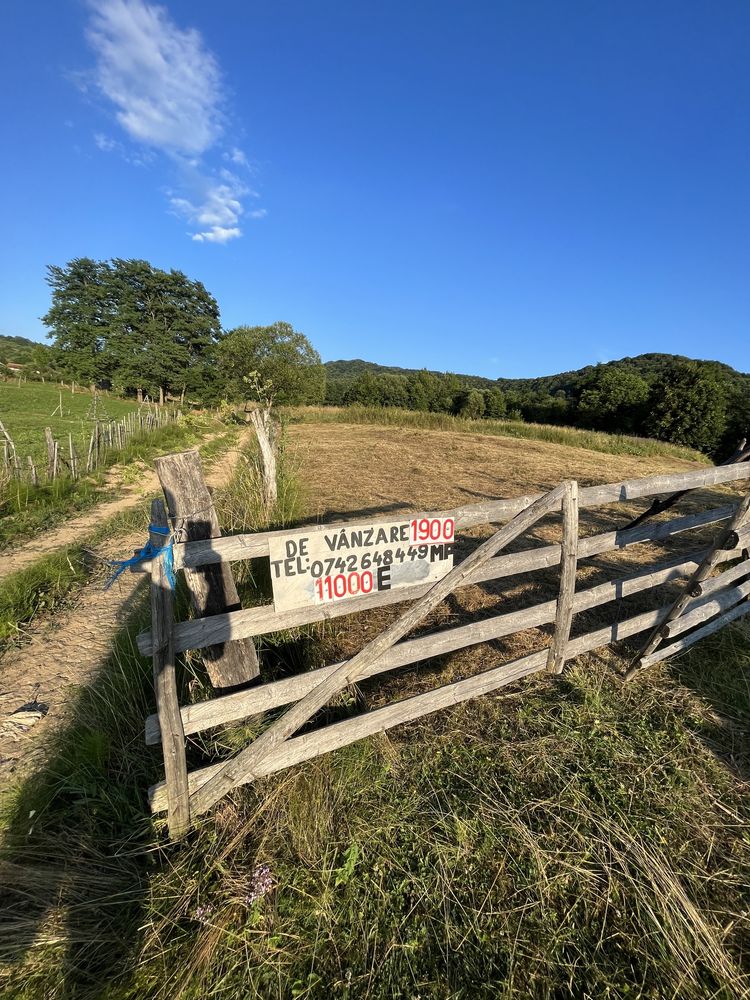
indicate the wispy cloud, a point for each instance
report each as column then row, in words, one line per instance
column 166, row 89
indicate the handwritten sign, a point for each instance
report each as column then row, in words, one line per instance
column 348, row 561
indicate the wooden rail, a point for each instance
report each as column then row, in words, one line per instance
column 251, row 546
column 711, row 597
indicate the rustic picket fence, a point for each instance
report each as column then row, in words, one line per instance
column 707, row 602
column 107, row 436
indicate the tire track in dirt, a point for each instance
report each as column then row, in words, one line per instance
column 68, row 650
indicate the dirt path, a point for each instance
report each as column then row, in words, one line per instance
column 69, row 650
column 77, row 528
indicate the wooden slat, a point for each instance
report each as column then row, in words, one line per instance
column 689, row 640
column 245, row 763
column 340, row 734
column 198, row 633
column 165, row 685
column 251, row 546
column 569, row 562
column 212, row 588
column 704, row 609
column 242, row 704
column 714, row 583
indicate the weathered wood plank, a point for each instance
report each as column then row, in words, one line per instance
column 714, row 583
column 165, row 685
column 212, row 588
column 677, row 647
column 569, row 562
column 258, row 621
column 245, row 762
column 251, row 546
column 242, row 704
column 339, row 734
column 705, row 608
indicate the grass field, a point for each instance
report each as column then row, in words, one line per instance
column 567, row 838
column 613, row 444
column 27, row 409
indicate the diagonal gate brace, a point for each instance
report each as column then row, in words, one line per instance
column 242, row 768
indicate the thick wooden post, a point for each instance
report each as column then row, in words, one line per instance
column 165, row 684
column 569, row 563
column 267, row 434
column 212, row 588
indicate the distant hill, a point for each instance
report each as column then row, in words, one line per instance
column 19, row 350
column 351, row 369
column 648, row 366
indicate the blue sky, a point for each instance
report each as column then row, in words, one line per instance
column 504, row 188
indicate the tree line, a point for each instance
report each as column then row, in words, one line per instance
column 137, row 328
column 688, row 403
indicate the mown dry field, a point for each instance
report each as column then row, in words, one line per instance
column 352, row 471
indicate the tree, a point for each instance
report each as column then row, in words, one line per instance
column 494, row 404
column 614, row 400
column 280, row 355
column 132, row 323
column 80, row 317
column 470, row 404
column 687, row 406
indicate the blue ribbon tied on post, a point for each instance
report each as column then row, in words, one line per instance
column 148, row 552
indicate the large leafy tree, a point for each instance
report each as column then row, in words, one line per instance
column 80, row 317
column 280, row 355
column 613, row 400
column 133, row 323
column 687, row 406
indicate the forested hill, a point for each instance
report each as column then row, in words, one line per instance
column 702, row 404
column 356, row 367
column 648, row 366
column 18, row 349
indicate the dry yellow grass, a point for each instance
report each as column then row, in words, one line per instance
column 358, row 470
column 351, row 467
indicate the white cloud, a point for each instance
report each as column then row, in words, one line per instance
column 105, row 143
column 218, row 234
column 237, row 156
column 162, row 79
column 259, row 213
column 166, row 89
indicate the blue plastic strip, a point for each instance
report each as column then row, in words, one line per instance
column 149, row 551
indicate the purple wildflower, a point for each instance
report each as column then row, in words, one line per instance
column 260, row 883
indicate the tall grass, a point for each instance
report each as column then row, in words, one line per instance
column 613, row 444
column 571, row 838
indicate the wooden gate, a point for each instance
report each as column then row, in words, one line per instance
column 707, row 602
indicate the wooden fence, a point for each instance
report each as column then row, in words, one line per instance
column 714, row 580
column 106, row 437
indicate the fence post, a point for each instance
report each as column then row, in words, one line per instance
column 165, row 684
column 569, row 563
column 50, row 452
column 212, row 588
column 267, row 434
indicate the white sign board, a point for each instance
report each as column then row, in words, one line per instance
column 346, row 561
